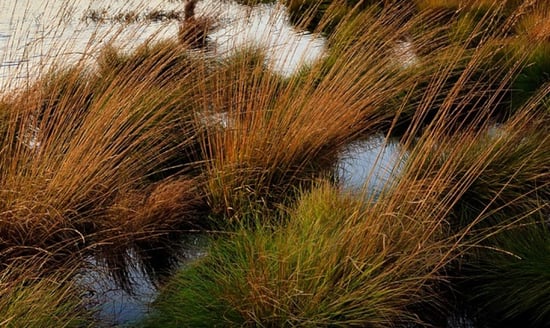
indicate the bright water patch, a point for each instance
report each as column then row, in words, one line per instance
column 35, row 34
column 369, row 165
column 266, row 27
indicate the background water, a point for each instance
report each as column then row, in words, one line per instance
column 34, row 34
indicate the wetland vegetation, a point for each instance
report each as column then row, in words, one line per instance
column 121, row 155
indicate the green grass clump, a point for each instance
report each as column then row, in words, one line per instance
column 27, row 300
column 511, row 277
column 336, row 262
column 500, row 173
column 534, row 75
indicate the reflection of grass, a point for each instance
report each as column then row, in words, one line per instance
column 103, row 16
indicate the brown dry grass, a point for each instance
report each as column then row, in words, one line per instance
column 79, row 143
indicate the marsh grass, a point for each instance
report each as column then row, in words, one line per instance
column 87, row 152
column 518, row 255
column 510, row 176
column 31, row 300
column 334, row 264
column 123, row 156
column 342, row 260
column 283, row 132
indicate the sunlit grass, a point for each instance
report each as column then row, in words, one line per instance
column 122, row 154
column 80, row 142
column 338, row 262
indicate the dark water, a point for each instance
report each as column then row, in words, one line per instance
column 114, row 305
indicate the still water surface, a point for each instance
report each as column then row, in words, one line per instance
column 35, row 34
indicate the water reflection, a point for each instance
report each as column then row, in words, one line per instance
column 114, row 305
column 35, row 34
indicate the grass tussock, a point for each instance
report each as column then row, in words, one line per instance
column 336, row 263
column 344, row 260
column 27, row 300
column 499, row 172
column 80, row 141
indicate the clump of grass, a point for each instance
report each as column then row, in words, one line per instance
column 511, row 178
column 156, row 218
column 534, row 23
column 29, row 301
column 337, row 262
column 510, row 277
column 80, row 142
column 461, row 82
column 483, row 182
